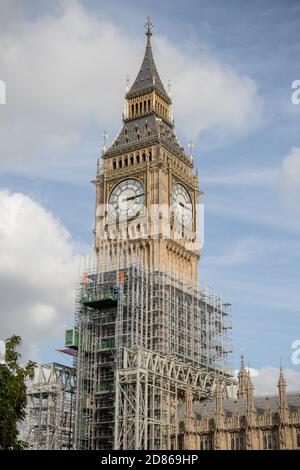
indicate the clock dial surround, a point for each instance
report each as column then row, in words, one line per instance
column 182, row 205
column 126, row 199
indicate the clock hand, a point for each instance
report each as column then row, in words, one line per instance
column 184, row 206
column 133, row 197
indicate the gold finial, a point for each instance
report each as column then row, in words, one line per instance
column 148, row 26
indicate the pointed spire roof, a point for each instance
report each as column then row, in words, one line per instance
column 242, row 361
column 281, row 379
column 219, row 399
column 148, row 79
column 243, row 379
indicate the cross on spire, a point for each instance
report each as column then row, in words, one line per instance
column 148, row 26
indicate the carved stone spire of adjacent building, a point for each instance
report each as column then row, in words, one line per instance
column 242, row 380
column 250, row 404
column 219, row 405
column 189, row 411
column 250, row 412
column 283, row 404
column 219, row 416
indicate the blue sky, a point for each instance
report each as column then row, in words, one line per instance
column 244, row 127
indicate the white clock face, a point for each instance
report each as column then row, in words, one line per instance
column 126, row 199
column 182, row 204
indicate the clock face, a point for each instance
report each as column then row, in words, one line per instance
column 182, row 204
column 126, row 199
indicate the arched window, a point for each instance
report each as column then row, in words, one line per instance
column 148, row 105
column 150, row 155
column 131, row 160
column 265, row 442
column 132, row 109
column 144, row 156
column 126, row 161
column 120, row 163
column 114, row 164
column 138, row 158
column 141, row 107
column 145, row 106
column 137, row 108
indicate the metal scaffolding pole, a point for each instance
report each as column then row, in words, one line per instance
column 121, row 403
column 50, row 408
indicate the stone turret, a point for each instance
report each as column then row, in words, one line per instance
column 242, row 380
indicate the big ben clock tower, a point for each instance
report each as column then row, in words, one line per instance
column 147, row 194
column 148, row 339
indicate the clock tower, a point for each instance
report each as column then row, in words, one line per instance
column 147, row 337
column 147, row 191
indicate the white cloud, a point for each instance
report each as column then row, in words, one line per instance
column 65, row 73
column 248, row 250
column 291, row 177
column 265, row 380
column 207, row 93
column 38, row 270
column 261, row 177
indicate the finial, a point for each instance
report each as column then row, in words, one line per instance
column 191, row 146
column 148, row 27
column 169, row 87
column 242, row 361
column 104, row 136
column 127, row 83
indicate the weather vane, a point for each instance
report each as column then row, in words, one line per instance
column 148, row 26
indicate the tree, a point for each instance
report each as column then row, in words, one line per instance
column 13, row 394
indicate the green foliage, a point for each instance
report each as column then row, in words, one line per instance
column 13, row 394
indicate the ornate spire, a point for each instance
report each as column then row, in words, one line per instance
column 148, row 78
column 242, row 361
column 147, row 111
column 243, row 379
column 219, row 408
column 281, row 380
column 283, row 404
column 189, row 410
column 250, row 412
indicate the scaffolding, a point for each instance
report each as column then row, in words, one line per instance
column 51, row 408
column 143, row 338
